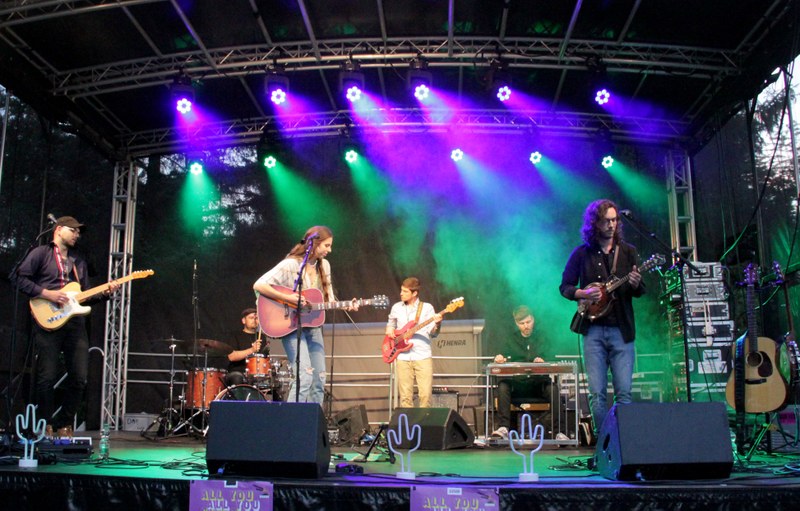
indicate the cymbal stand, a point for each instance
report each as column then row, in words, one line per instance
column 169, row 421
column 202, row 412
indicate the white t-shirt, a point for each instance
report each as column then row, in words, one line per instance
column 400, row 315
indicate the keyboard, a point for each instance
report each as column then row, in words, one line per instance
column 524, row 368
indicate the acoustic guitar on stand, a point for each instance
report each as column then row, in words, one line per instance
column 594, row 309
column 52, row 316
column 764, row 387
column 279, row 318
column 394, row 345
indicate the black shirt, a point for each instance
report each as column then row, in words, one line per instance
column 586, row 265
column 242, row 341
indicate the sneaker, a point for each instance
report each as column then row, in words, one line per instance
column 501, row 432
column 562, row 436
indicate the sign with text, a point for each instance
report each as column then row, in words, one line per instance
column 452, row 498
column 217, row 495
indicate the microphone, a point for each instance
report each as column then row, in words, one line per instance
column 626, row 213
column 52, row 218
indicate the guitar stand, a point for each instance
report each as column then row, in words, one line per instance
column 363, row 458
column 758, row 436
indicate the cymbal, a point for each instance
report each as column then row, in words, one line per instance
column 214, row 346
column 170, row 340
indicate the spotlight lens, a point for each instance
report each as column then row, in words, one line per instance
column 351, row 156
column 457, row 154
column 270, row 162
column 504, row 93
column 196, row 168
column 278, row 96
column 421, row 92
column 183, row 105
column 536, row 157
column 608, row 161
column 602, row 96
column 353, row 94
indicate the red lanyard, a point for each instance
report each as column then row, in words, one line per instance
column 62, row 270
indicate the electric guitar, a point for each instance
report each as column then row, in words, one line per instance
column 595, row 309
column 394, row 345
column 765, row 389
column 52, row 316
column 279, row 318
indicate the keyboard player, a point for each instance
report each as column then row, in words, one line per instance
column 523, row 346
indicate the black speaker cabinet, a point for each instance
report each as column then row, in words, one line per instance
column 352, row 424
column 442, row 428
column 651, row 441
column 267, row 439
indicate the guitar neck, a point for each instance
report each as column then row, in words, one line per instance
column 343, row 304
column 752, row 324
column 85, row 295
column 422, row 325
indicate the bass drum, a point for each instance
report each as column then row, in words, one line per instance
column 241, row 393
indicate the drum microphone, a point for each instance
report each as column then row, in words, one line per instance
column 52, row 218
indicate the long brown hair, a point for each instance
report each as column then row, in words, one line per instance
column 299, row 250
column 595, row 212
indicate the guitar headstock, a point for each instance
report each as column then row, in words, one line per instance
column 751, row 275
column 380, row 301
column 779, row 278
column 652, row 262
column 455, row 304
column 140, row 274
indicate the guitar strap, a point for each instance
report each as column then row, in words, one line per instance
column 419, row 312
column 616, row 256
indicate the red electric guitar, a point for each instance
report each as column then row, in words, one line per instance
column 393, row 345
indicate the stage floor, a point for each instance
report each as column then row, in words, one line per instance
column 157, row 474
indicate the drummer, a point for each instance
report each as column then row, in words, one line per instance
column 245, row 342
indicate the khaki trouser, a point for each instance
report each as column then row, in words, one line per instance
column 407, row 372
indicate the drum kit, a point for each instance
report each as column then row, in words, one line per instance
column 265, row 380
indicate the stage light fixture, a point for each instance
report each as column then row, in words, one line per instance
column 536, row 157
column 499, row 80
column 351, row 156
column 598, row 80
column 456, row 154
column 419, row 80
column 608, row 161
column 270, row 162
column 602, row 96
column 182, row 93
column 351, row 81
column 276, row 86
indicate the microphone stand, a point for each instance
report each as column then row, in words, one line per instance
column 298, row 288
column 13, row 341
column 680, row 261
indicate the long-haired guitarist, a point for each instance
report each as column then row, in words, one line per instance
column 415, row 363
column 607, row 339
column 44, row 273
column 316, row 275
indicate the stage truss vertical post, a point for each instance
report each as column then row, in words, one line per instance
column 120, row 263
column 681, row 205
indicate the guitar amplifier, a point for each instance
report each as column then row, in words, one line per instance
column 442, row 398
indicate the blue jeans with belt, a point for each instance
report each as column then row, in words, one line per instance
column 604, row 349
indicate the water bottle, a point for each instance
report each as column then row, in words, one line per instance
column 104, row 441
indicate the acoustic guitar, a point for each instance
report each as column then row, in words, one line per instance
column 394, row 345
column 279, row 318
column 52, row 316
column 764, row 387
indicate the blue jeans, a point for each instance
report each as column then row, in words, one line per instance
column 71, row 340
column 604, row 348
column 311, row 374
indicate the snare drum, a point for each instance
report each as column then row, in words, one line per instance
column 241, row 393
column 215, row 381
column 258, row 368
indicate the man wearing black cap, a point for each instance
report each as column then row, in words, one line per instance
column 246, row 342
column 43, row 274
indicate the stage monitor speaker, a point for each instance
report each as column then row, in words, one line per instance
column 352, row 424
column 267, row 439
column 442, row 428
column 652, row 441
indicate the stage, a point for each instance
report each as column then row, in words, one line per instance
column 159, row 474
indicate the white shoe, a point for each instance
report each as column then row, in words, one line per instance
column 501, row 432
column 561, row 436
